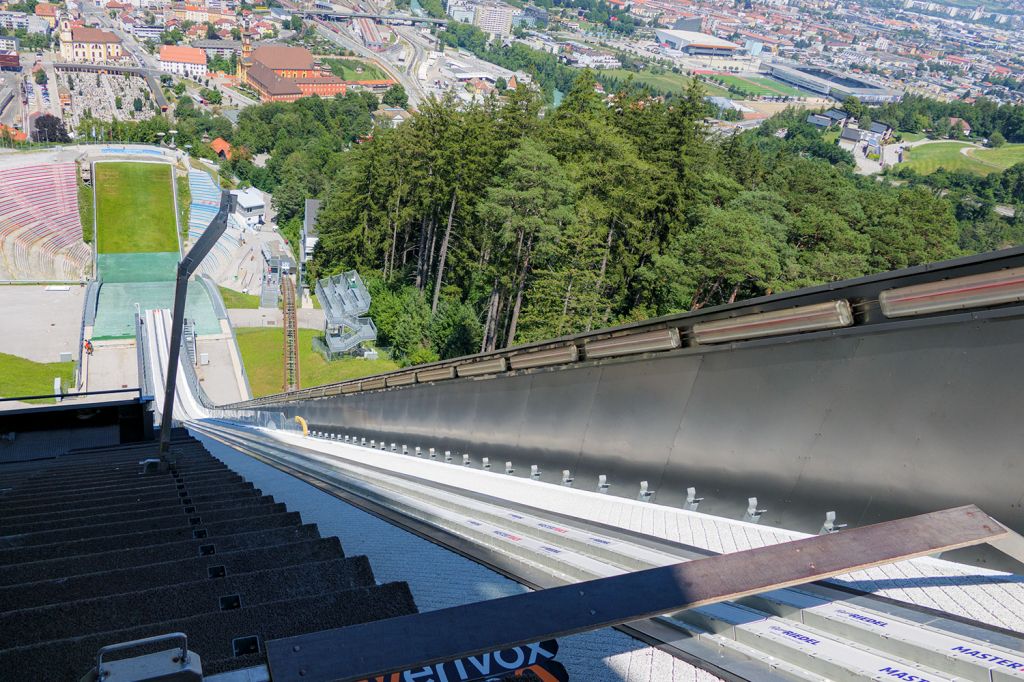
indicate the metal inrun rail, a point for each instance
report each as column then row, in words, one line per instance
column 291, row 334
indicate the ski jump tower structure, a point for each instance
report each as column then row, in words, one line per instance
column 344, row 299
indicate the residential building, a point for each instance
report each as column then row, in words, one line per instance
column 8, row 43
column 183, row 61
column 960, row 124
column 85, row 44
column 14, row 20
column 48, row 13
column 251, row 207
column 219, row 48
column 222, row 148
column 461, row 12
column 494, row 19
column 391, row 117
column 144, row 32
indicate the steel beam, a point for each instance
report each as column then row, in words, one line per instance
column 413, row 642
column 186, row 268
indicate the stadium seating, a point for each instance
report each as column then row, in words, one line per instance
column 40, row 229
column 205, row 202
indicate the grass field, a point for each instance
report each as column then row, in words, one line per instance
column 85, row 211
column 1000, row 158
column 135, row 208
column 236, row 299
column 928, row 158
column 19, row 376
column 263, row 355
column 345, row 69
column 912, row 137
column 756, row 86
column 184, row 204
column 666, row 82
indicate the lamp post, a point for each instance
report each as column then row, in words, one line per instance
column 186, row 267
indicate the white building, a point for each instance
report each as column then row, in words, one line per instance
column 251, row 207
column 494, row 19
column 183, row 61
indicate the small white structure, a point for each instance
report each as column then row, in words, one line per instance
column 251, row 207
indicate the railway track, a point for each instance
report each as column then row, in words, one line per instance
column 291, row 335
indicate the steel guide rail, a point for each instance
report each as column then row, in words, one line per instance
column 544, row 552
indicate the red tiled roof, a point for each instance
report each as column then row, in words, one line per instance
column 181, row 54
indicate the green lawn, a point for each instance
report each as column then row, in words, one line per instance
column 346, row 69
column 263, row 355
column 135, row 208
column 666, row 82
column 1000, row 158
column 19, row 376
column 756, row 86
column 184, row 204
column 85, row 211
column 928, row 158
column 912, row 137
column 236, row 299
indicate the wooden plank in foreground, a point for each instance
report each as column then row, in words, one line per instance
column 412, row 642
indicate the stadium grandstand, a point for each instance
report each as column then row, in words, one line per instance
column 205, row 200
column 40, row 228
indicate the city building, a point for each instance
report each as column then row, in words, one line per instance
column 693, row 43
column 461, row 12
column 281, row 73
column 8, row 43
column 85, row 44
column 494, row 19
column 370, row 34
column 219, row 48
column 183, row 61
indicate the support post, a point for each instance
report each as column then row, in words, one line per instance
column 186, row 268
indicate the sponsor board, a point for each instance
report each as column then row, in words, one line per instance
column 529, row 662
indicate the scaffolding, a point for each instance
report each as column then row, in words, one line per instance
column 344, row 298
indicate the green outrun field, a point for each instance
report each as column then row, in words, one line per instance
column 263, row 356
column 135, row 208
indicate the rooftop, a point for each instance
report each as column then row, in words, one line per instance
column 86, row 34
column 283, row 57
column 182, row 55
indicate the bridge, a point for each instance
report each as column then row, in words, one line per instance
column 399, row 19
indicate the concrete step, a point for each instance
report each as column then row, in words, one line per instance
column 212, row 635
column 168, row 499
column 167, row 521
column 154, row 537
column 185, row 599
column 110, row 581
column 90, row 504
column 176, row 507
column 127, row 558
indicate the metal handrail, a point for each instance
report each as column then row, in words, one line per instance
column 75, row 395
